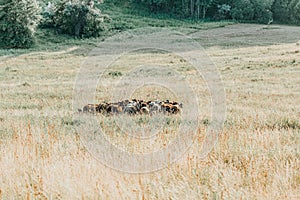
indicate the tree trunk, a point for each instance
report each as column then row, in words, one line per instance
column 183, row 7
column 192, row 7
column 204, row 12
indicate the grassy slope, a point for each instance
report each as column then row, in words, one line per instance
column 123, row 18
column 257, row 156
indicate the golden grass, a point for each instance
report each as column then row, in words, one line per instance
column 257, row 155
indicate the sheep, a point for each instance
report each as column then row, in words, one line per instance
column 90, row 108
column 155, row 107
column 176, row 108
column 166, row 108
column 145, row 110
column 134, row 106
column 131, row 108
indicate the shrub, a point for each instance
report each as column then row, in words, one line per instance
column 18, row 21
column 48, row 14
column 258, row 10
column 262, row 10
column 280, row 10
column 287, row 11
column 242, row 10
column 223, row 12
column 74, row 17
column 294, row 10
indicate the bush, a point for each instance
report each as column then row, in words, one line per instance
column 280, row 10
column 74, row 17
column 262, row 10
column 287, row 11
column 223, row 12
column 242, row 10
column 48, row 14
column 294, row 10
column 18, row 21
column 258, row 10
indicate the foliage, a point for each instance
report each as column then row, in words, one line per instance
column 223, row 12
column 18, row 21
column 262, row 10
column 280, row 10
column 243, row 10
column 286, row 11
column 78, row 18
column 294, row 10
column 48, row 14
column 183, row 8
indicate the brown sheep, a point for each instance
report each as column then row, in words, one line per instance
column 91, row 108
column 176, row 108
column 145, row 110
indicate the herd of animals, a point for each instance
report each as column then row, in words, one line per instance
column 133, row 107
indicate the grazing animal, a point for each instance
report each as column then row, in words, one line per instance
column 101, row 108
column 133, row 107
column 91, row 108
column 155, row 107
column 175, row 109
column 166, row 108
column 144, row 104
column 131, row 110
column 144, row 110
column 113, row 109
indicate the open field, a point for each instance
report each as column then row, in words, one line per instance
column 256, row 157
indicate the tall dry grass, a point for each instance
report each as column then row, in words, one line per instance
column 257, row 155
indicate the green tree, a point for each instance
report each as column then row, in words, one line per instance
column 280, row 10
column 202, row 7
column 242, row 10
column 18, row 22
column 262, row 10
column 78, row 18
column 294, row 10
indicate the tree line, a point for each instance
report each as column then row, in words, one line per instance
column 83, row 18
column 262, row 11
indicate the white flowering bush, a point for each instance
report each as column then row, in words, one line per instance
column 74, row 17
column 223, row 12
column 48, row 14
column 18, row 22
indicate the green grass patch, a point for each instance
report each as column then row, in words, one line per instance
column 123, row 17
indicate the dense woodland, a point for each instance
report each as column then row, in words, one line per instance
column 83, row 19
column 261, row 11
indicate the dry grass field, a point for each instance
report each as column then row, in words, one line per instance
column 258, row 151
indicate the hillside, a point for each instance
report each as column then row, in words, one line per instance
column 256, row 155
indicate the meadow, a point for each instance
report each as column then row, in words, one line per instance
column 258, row 149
